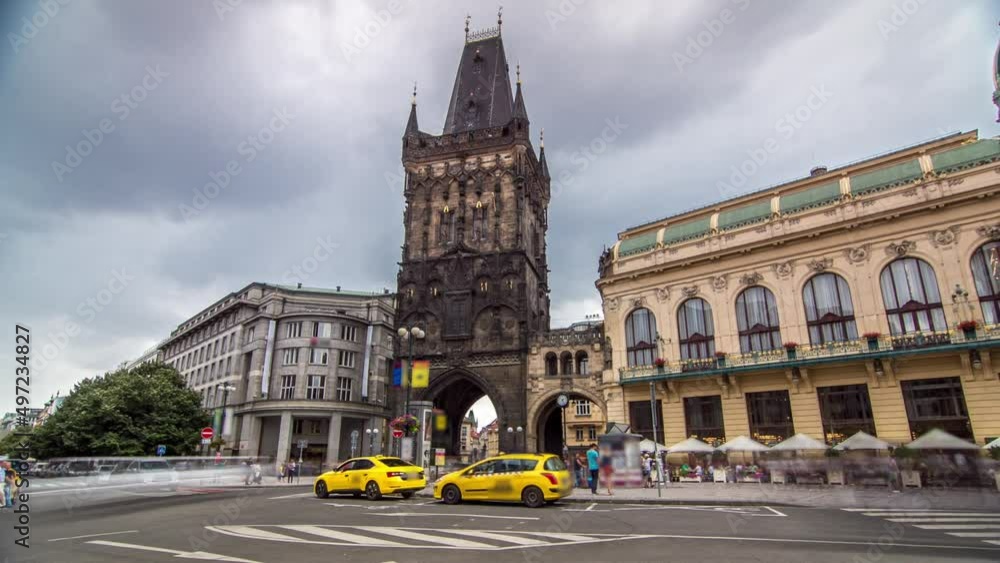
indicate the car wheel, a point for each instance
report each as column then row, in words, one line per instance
column 532, row 497
column 408, row 494
column 372, row 491
column 321, row 491
column 451, row 495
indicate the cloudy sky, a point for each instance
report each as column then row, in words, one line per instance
column 118, row 113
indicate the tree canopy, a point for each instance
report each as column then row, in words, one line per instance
column 125, row 413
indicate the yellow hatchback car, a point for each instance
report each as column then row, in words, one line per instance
column 373, row 477
column 533, row 479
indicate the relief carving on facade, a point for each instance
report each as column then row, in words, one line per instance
column 720, row 283
column 690, row 291
column 991, row 232
column 662, row 294
column 945, row 237
column 859, row 255
column 638, row 302
column 784, row 269
column 751, row 278
column 612, row 303
column 820, row 265
column 901, row 249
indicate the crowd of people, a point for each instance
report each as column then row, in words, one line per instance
column 10, row 485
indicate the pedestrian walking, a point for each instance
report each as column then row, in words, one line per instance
column 647, row 471
column 606, row 471
column 9, row 486
column 593, row 467
column 581, row 470
column 281, row 472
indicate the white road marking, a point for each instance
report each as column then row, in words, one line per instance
column 344, row 536
column 97, row 535
column 566, row 537
column 777, row 512
column 930, row 514
column 958, row 526
column 509, row 538
column 443, row 540
column 181, row 554
column 975, row 534
column 591, row 507
column 993, row 542
column 126, row 485
column 942, row 520
column 300, row 495
column 471, row 516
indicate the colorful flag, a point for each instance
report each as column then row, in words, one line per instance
column 421, row 376
column 397, row 374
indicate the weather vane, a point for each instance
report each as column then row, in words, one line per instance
column 468, row 20
column 500, row 17
column 414, row 99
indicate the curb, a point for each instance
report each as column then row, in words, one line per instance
column 657, row 501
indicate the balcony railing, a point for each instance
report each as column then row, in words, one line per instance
column 862, row 347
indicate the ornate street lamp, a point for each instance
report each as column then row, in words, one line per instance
column 372, row 437
column 409, row 334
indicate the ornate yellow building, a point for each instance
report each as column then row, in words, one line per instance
column 877, row 270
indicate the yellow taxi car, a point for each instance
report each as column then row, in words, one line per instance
column 373, row 477
column 533, row 479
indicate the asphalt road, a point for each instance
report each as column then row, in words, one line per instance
column 272, row 525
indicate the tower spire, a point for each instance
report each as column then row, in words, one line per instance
column 520, row 112
column 541, row 153
column 468, row 20
column 411, row 123
column 500, row 18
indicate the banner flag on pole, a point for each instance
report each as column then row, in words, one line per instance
column 397, row 374
column 421, row 374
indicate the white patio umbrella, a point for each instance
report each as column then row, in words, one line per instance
column 993, row 444
column 862, row 441
column 940, row 440
column 799, row 443
column 647, row 445
column 690, row 446
column 742, row 444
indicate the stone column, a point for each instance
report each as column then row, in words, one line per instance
column 255, row 374
column 250, row 433
column 284, row 438
column 333, row 440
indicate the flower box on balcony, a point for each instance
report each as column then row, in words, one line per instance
column 872, row 339
column 720, row 359
column 968, row 329
column 790, row 349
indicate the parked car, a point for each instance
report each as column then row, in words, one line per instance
column 533, row 479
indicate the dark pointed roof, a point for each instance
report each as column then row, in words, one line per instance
column 541, row 155
column 519, row 110
column 411, row 124
column 481, row 97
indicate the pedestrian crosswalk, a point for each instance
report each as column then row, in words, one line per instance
column 413, row 538
column 983, row 526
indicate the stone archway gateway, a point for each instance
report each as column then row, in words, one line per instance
column 454, row 392
column 548, row 425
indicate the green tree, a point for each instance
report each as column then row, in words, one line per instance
column 125, row 413
column 10, row 444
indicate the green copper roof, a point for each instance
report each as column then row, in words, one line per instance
column 685, row 231
column 815, row 196
column 745, row 215
column 967, row 156
column 637, row 244
column 885, row 178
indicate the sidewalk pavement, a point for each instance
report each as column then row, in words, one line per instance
column 742, row 494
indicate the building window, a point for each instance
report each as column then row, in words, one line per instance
column 225, row 340
column 640, row 337
column 703, row 416
column 287, row 387
column 582, row 364
column 480, row 223
column 346, row 359
column 641, row 419
column 344, row 385
column 770, row 416
column 845, row 410
column 229, row 365
column 249, row 337
column 349, row 333
column 912, row 300
column 446, row 227
column 323, row 330
column 757, row 320
column 215, row 349
column 484, row 286
column 315, row 426
column 319, row 356
column 567, row 363
column 290, row 357
column 697, row 332
column 293, row 330
column 317, row 387
column 232, row 341
column 582, row 407
column 936, row 403
column 579, row 434
column 829, row 309
column 551, row 364
column 591, row 432
column 297, row 426
column 987, row 278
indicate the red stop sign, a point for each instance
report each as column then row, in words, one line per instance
column 397, row 433
column 207, row 433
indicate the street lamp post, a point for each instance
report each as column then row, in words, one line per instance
column 510, row 432
column 409, row 334
column 226, row 388
column 372, row 437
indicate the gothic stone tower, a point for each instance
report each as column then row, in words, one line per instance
column 473, row 273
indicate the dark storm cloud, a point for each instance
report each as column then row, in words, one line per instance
column 689, row 86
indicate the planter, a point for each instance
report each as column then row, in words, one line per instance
column 778, row 477
column 910, row 478
column 720, row 474
column 791, row 353
column 969, row 333
column 835, row 476
column 690, row 479
column 873, row 344
column 720, row 362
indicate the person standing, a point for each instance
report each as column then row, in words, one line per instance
column 291, row 471
column 581, row 470
column 607, row 469
column 593, row 467
column 647, row 471
column 281, row 472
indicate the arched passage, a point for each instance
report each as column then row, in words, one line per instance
column 549, row 423
column 454, row 393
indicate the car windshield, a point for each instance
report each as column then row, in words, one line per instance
column 555, row 464
column 394, row 462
